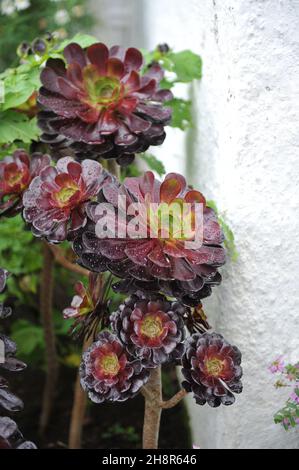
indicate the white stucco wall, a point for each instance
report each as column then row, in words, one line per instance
column 243, row 153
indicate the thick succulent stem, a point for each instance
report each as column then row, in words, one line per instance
column 78, row 411
column 46, row 298
column 78, row 414
column 172, row 402
column 152, row 414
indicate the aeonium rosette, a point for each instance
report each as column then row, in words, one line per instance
column 16, row 173
column 9, row 363
column 155, row 260
column 54, row 203
column 151, row 328
column 212, row 371
column 109, row 373
column 11, row 437
column 100, row 104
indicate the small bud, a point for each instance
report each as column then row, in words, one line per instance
column 39, row 46
column 163, row 48
column 23, row 49
column 48, row 36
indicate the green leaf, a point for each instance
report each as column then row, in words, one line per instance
column 62, row 326
column 181, row 113
column 185, row 64
column 19, row 84
column 153, row 163
column 229, row 241
column 17, row 126
column 27, row 336
column 20, row 253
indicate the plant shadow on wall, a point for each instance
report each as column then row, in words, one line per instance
column 75, row 118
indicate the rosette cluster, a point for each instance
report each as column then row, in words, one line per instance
column 109, row 373
column 8, row 400
column 100, row 103
column 212, row 371
column 54, row 203
column 151, row 329
column 16, row 173
column 10, row 436
column 154, row 261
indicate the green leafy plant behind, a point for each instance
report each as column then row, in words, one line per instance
column 127, row 433
column 288, row 415
column 181, row 67
column 153, row 163
column 17, row 127
column 21, row 254
column 227, row 231
column 66, row 17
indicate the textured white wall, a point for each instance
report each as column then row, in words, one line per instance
column 244, row 154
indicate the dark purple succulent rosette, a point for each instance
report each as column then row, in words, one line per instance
column 151, row 328
column 109, row 373
column 154, row 264
column 54, row 203
column 4, row 311
column 8, row 400
column 99, row 103
column 16, row 173
column 11, row 437
column 8, row 362
column 212, row 371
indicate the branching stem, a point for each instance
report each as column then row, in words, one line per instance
column 46, row 300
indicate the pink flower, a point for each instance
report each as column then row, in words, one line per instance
column 277, row 365
column 294, row 395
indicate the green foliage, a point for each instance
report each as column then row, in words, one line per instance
column 41, row 16
column 153, row 163
column 15, row 126
column 8, row 149
column 181, row 67
column 29, row 338
column 288, row 414
column 128, row 433
column 186, row 65
column 19, row 84
column 181, row 113
column 229, row 241
column 20, row 253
